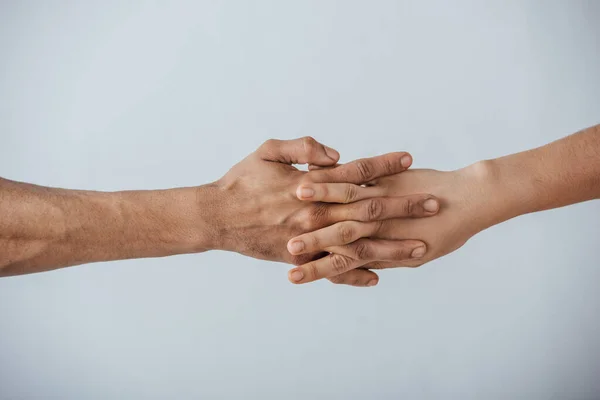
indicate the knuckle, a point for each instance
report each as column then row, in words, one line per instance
column 345, row 233
column 350, row 193
column 309, row 140
column 304, row 221
column 313, row 271
column 307, row 225
column 363, row 251
column 401, row 254
column 389, row 167
column 376, row 265
column 407, row 207
column 374, row 209
column 318, row 216
column 314, row 241
column 310, row 145
column 337, row 280
column 268, row 144
column 365, row 170
column 339, row 263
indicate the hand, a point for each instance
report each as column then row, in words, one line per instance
column 256, row 210
column 356, row 246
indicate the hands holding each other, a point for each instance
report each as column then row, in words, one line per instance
column 341, row 221
column 338, row 222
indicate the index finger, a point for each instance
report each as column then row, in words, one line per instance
column 364, row 170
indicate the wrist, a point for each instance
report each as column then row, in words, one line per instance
column 172, row 221
column 500, row 192
column 206, row 205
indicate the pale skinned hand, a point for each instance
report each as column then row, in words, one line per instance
column 256, row 210
column 357, row 246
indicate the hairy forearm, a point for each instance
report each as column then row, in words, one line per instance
column 45, row 228
column 560, row 173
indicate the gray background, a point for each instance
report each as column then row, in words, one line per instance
column 122, row 95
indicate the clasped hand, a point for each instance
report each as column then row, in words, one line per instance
column 339, row 221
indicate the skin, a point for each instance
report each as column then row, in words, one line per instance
column 472, row 199
column 252, row 210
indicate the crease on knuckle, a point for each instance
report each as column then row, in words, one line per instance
column 339, row 263
column 389, row 167
column 408, row 207
column 350, row 193
column 363, row 251
column 318, row 216
column 337, row 280
column 365, row 170
column 324, row 190
column 375, row 209
column 401, row 254
column 314, row 241
column 376, row 227
column 376, row 265
column 313, row 271
column 345, row 233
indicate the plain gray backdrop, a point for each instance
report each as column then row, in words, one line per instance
column 109, row 95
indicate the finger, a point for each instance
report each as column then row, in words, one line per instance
column 334, row 235
column 390, row 264
column 369, row 250
column 380, row 208
column 357, row 277
column 328, row 266
column 304, row 150
column 364, row 170
column 337, row 192
column 382, row 265
column 312, row 167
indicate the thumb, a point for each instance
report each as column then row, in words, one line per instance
column 304, row 150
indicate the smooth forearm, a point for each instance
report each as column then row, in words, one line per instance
column 558, row 174
column 44, row 228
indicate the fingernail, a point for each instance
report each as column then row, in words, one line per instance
column 305, row 193
column 418, row 252
column 372, row 282
column 406, row 161
column 431, row 205
column 331, row 153
column 296, row 247
column 297, row 275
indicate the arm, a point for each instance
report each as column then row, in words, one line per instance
column 558, row 174
column 44, row 228
column 473, row 199
column 251, row 210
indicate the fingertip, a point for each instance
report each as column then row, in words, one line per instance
column 419, row 251
column 295, row 247
column 406, row 160
column 373, row 282
column 431, row 205
column 332, row 153
column 295, row 275
column 305, row 193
